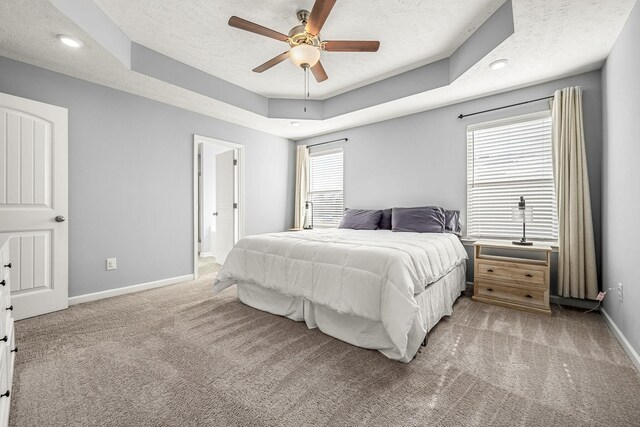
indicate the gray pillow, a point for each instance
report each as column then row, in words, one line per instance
column 385, row 220
column 428, row 219
column 452, row 222
column 360, row 219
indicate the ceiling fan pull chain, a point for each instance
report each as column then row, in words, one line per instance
column 306, row 87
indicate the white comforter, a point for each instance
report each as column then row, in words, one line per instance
column 371, row 274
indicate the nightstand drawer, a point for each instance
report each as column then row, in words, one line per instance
column 530, row 297
column 512, row 272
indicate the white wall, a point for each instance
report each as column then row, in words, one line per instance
column 621, row 178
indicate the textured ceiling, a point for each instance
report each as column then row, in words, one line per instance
column 553, row 39
column 411, row 32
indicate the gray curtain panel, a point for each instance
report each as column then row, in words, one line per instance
column 577, row 276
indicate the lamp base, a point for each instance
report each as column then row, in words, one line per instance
column 521, row 243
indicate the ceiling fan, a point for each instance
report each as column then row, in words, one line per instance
column 304, row 40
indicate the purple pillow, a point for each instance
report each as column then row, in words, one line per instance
column 452, row 222
column 418, row 220
column 385, row 220
column 361, row 219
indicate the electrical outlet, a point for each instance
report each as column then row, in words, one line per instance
column 111, row 264
column 620, row 289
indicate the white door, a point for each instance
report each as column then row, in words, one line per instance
column 33, row 203
column 225, row 204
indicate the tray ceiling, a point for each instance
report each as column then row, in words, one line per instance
column 412, row 33
column 552, row 39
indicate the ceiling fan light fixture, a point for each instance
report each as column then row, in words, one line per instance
column 304, row 55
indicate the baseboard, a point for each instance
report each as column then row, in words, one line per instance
column 626, row 345
column 128, row 289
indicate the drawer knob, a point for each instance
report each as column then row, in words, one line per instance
column 490, row 290
column 10, row 308
column 15, row 350
column 8, row 265
column 4, row 282
column 528, row 275
column 528, row 296
column 490, row 270
column 5, row 339
column 5, row 394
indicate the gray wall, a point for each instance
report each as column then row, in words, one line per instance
column 421, row 159
column 621, row 178
column 130, row 178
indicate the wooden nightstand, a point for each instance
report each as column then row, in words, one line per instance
column 520, row 282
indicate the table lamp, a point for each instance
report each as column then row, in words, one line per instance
column 306, row 207
column 523, row 214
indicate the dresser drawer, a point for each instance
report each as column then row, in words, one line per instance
column 4, row 260
column 4, row 387
column 512, row 272
column 10, row 352
column 7, row 324
column 5, row 295
column 529, row 297
column 5, row 315
column 4, row 254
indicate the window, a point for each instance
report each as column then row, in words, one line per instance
column 506, row 160
column 325, row 188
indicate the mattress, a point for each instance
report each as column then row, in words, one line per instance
column 434, row 303
column 372, row 275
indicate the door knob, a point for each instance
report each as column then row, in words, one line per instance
column 215, row 214
column 60, row 218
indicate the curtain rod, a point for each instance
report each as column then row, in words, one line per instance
column 462, row 116
column 328, row 142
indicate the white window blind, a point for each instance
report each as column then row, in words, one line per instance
column 325, row 187
column 506, row 160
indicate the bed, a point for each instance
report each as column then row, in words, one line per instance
column 375, row 289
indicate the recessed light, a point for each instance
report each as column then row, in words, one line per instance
column 69, row 41
column 500, row 63
column 295, row 124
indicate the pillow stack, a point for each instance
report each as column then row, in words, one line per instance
column 428, row 219
column 361, row 219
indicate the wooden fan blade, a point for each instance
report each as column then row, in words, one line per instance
column 270, row 63
column 318, row 15
column 243, row 24
column 351, row 46
column 319, row 73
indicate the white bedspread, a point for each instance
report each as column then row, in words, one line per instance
column 371, row 274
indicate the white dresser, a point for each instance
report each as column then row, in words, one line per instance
column 7, row 341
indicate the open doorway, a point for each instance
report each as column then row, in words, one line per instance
column 218, row 202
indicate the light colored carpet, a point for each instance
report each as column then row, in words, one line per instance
column 181, row 356
column 207, row 265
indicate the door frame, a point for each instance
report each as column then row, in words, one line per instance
column 199, row 139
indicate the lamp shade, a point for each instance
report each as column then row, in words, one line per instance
column 522, row 214
column 304, row 54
